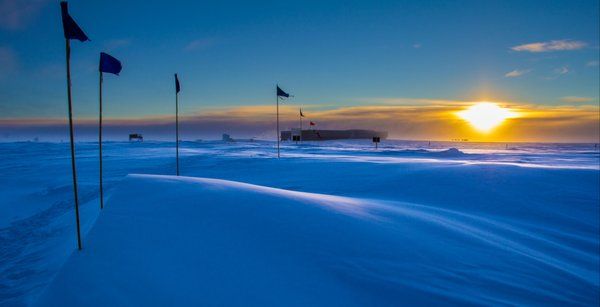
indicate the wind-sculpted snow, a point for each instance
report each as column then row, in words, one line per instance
column 194, row 241
column 543, row 199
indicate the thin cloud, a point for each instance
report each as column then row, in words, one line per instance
column 17, row 14
column 411, row 101
column 199, row 44
column 554, row 45
column 417, row 45
column 516, row 73
column 592, row 63
column 576, row 99
column 562, row 70
column 559, row 72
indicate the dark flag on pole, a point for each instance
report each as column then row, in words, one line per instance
column 70, row 27
column 177, row 89
column 312, row 124
column 301, row 115
column 72, row 31
column 109, row 64
column 281, row 93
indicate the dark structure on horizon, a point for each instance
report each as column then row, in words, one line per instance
column 325, row 135
column 136, row 136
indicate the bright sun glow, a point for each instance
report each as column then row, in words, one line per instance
column 485, row 116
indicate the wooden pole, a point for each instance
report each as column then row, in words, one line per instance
column 100, row 143
column 68, row 51
column 177, row 130
column 277, row 94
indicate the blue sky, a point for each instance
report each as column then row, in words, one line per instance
column 329, row 54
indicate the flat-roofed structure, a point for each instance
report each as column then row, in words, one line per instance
column 325, row 135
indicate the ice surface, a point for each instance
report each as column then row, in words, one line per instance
column 411, row 222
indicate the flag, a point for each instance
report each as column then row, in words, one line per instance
column 301, row 115
column 281, row 93
column 109, row 64
column 70, row 27
column 177, row 87
column 312, row 124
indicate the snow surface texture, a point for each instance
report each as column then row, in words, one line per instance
column 410, row 223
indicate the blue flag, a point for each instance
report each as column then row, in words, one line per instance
column 109, row 64
column 177, row 87
column 281, row 93
column 70, row 27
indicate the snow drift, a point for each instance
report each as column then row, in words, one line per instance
column 165, row 240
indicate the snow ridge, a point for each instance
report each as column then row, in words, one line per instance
column 188, row 241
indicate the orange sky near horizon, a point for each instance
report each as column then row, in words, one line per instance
column 422, row 121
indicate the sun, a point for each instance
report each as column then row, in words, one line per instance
column 485, row 116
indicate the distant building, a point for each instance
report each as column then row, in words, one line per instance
column 325, row 135
column 136, row 137
column 228, row 138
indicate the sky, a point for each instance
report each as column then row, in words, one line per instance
column 406, row 67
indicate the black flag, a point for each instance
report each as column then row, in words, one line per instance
column 70, row 27
column 177, row 86
column 281, row 93
column 109, row 64
column 301, row 114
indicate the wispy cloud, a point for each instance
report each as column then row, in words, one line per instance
column 411, row 101
column 592, row 63
column 516, row 73
column 199, row 44
column 562, row 70
column 576, row 99
column 554, row 45
column 559, row 72
column 417, row 45
column 17, row 14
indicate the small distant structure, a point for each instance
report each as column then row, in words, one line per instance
column 136, row 137
column 326, row 135
column 376, row 140
column 227, row 138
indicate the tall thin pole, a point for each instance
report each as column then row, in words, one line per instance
column 68, row 49
column 177, row 129
column 277, row 94
column 300, row 125
column 100, row 144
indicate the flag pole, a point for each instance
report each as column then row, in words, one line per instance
column 100, row 143
column 68, row 55
column 177, row 129
column 300, row 125
column 277, row 95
